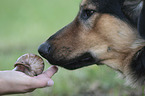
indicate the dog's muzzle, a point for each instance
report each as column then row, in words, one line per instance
column 85, row 59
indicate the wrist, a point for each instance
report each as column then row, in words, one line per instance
column 4, row 88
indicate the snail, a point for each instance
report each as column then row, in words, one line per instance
column 29, row 64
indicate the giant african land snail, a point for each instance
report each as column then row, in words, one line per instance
column 29, row 64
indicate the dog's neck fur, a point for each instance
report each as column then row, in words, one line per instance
column 134, row 67
column 134, row 63
column 138, row 66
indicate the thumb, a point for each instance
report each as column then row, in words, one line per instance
column 50, row 83
column 44, row 79
column 50, row 71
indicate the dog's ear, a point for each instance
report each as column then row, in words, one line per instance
column 113, row 7
column 141, row 23
column 121, row 2
column 132, row 10
column 138, row 66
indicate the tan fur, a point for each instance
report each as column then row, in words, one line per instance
column 100, row 32
column 106, row 37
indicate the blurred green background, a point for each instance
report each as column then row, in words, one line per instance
column 25, row 24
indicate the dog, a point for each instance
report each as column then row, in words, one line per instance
column 104, row 32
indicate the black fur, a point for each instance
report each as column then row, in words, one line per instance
column 127, row 10
column 138, row 62
column 113, row 7
column 138, row 66
column 141, row 24
column 132, row 9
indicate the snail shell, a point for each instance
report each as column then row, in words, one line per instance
column 30, row 64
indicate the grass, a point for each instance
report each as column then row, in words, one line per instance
column 25, row 24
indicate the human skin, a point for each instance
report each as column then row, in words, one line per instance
column 14, row 82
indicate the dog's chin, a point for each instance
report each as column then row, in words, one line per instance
column 85, row 59
column 76, row 64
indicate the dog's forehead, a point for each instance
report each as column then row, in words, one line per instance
column 90, row 4
column 100, row 2
column 94, row 3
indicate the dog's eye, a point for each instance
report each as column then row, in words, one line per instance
column 87, row 13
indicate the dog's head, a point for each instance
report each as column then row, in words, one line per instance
column 99, row 34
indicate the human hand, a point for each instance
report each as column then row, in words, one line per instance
column 12, row 82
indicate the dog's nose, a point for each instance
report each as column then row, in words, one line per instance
column 44, row 49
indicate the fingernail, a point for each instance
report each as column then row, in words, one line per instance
column 53, row 67
column 50, row 83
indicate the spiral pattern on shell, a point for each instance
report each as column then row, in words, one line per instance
column 30, row 64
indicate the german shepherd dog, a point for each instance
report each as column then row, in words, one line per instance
column 103, row 32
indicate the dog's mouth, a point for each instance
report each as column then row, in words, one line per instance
column 81, row 61
column 85, row 59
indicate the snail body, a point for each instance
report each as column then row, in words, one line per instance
column 30, row 64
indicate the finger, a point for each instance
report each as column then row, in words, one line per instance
column 40, row 82
column 44, row 80
column 50, row 71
